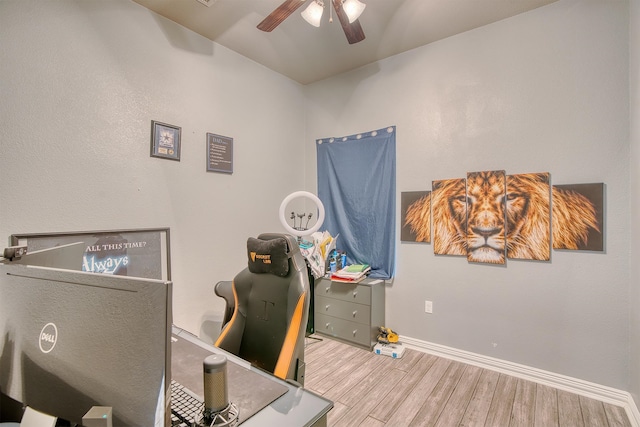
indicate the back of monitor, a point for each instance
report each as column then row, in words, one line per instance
column 71, row 340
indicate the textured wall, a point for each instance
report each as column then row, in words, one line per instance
column 545, row 91
column 81, row 81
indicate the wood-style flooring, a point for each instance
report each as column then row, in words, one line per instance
column 421, row 389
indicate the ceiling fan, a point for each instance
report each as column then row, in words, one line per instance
column 353, row 31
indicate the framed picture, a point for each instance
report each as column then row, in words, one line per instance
column 165, row 140
column 219, row 153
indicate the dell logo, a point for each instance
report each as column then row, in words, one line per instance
column 48, row 337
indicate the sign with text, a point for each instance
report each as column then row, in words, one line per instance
column 219, row 153
column 137, row 253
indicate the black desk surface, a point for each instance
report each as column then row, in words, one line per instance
column 297, row 407
column 249, row 391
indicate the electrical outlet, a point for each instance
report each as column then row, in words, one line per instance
column 428, row 307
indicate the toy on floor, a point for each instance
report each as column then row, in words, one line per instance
column 394, row 350
column 387, row 336
column 388, row 344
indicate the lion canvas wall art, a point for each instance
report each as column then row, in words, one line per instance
column 449, row 212
column 485, row 229
column 416, row 216
column 490, row 216
column 578, row 217
column 528, row 209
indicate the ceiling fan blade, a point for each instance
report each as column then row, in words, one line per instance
column 353, row 30
column 281, row 13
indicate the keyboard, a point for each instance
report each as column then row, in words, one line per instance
column 186, row 406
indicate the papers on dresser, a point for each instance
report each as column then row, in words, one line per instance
column 351, row 274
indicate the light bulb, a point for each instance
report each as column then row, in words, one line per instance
column 313, row 13
column 353, row 9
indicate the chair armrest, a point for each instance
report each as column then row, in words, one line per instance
column 224, row 290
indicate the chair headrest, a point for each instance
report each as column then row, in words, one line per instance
column 268, row 256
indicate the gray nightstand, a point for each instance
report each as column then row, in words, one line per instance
column 350, row 312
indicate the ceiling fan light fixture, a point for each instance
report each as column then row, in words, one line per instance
column 313, row 13
column 353, row 9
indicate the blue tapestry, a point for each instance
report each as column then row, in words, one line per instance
column 357, row 185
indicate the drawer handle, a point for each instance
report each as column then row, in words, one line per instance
column 355, row 293
column 327, row 289
column 355, row 313
column 326, row 307
column 355, row 331
column 327, row 325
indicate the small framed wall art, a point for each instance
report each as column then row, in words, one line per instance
column 219, row 153
column 165, row 140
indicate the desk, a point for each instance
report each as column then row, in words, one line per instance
column 297, row 407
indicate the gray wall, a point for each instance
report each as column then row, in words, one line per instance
column 81, row 82
column 544, row 91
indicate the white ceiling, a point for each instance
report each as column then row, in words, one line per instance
column 307, row 54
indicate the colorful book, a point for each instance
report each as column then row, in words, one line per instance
column 335, row 278
column 357, row 268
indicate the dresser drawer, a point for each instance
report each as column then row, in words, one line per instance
column 360, row 294
column 343, row 329
column 345, row 310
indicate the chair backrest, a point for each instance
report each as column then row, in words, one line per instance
column 271, row 295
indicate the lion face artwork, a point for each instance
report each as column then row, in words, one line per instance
column 449, row 210
column 528, row 216
column 491, row 216
column 486, row 217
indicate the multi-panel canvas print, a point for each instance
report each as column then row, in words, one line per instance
column 490, row 216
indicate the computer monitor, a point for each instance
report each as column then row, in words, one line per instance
column 68, row 257
column 71, row 340
column 140, row 252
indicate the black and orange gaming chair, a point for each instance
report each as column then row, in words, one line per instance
column 271, row 304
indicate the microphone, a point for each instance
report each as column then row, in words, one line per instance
column 215, row 383
column 217, row 409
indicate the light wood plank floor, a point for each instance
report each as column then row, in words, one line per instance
column 424, row 390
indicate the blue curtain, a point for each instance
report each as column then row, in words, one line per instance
column 357, row 186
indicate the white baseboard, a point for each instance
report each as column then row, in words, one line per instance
column 562, row 382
